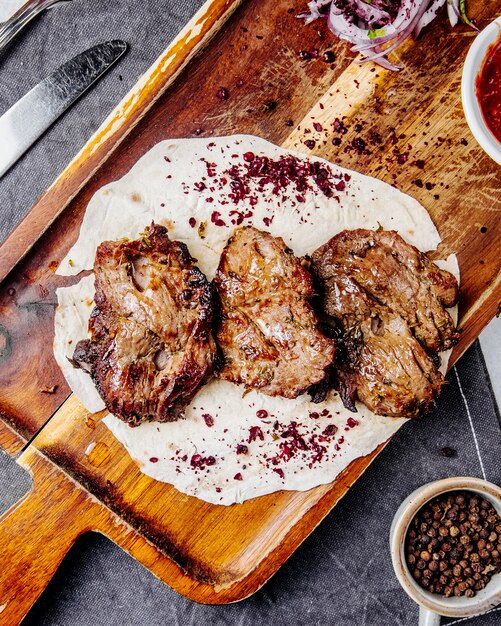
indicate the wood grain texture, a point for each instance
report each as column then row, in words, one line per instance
column 210, row 554
column 414, row 136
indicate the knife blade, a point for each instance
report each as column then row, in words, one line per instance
column 32, row 115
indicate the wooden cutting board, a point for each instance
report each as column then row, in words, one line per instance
column 406, row 128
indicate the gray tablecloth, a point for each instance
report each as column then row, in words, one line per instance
column 342, row 574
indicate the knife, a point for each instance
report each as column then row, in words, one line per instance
column 30, row 117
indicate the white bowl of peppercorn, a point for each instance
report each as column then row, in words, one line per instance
column 445, row 543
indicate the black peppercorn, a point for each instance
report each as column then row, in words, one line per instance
column 452, row 546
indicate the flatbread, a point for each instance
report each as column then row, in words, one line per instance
column 283, row 444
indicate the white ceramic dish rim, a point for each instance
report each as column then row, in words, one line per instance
column 471, row 106
column 485, row 599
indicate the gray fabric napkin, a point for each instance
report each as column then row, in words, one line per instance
column 342, row 574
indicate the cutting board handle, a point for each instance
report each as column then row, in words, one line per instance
column 35, row 535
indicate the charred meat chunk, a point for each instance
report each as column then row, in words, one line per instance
column 267, row 330
column 151, row 344
column 386, row 302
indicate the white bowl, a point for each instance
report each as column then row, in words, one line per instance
column 471, row 106
column 433, row 604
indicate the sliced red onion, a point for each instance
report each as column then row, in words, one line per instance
column 453, row 11
column 359, row 21
column 429, row 15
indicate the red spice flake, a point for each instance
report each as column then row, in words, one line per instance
column 268, row 220
column 279, row 471
column 238, row 476
column 359, row 144
column 200, row 186
column 289, row 122
column 192, row 222
column 270, row 105
column 199, row 462
column 222, row 93
column 215, row 218
column 314, row 53
column 351, row 422
column 249, row 157
column 310, row 143
column 218, row 489
column 418, row 183
column 325, row 412
column 340, row 185
column 262, row 414
column 336, row 141
column 402, row 158
column 196, row 460
column 166, row 159
column 209, row 420
column 254, row 433
column 419, row 163
column 463, row 142
column 339, row 126
column 304, row 55
column 330, row 430
column 242, row 449
column 153, row 459
column 314, row 415
column 211, row 168
column 429, row 186
column 317, row 127
column 375, row 138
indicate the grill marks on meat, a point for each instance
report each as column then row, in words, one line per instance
column 386, row 300
column 151, row 343
column 267, row 330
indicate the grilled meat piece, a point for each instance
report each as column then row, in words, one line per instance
column 267, row 330
column 151, row 344
column 387, row 302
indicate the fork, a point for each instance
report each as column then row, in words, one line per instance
column 10, row 28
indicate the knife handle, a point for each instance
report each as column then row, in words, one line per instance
column 35, row 535
column 24, row 15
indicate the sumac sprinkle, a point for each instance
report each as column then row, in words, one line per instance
column 209, row 420
column 242, row 449
column 153, row 459
column 254, row 433
column 192, row 222
column 238, row 476
column 262, row 414
column 330, row 430
column 310, row 143
column 222, row 93
column 452, row 544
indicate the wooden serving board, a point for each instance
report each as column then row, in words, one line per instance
column 413, row 135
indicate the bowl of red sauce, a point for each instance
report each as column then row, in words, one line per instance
column 481, row 89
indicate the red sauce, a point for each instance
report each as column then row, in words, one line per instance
column 489, row 89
